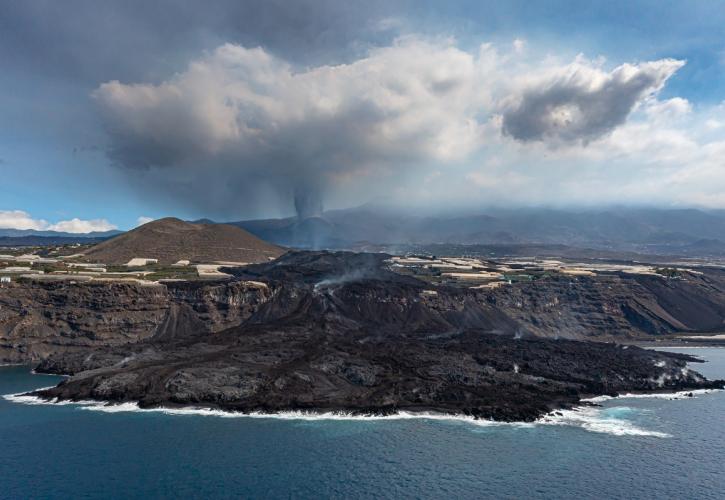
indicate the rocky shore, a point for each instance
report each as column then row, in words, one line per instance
column 342, row 332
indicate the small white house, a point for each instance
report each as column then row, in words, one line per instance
column 5, row 279
column 139, row 261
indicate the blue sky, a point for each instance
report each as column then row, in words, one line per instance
column 73, row 146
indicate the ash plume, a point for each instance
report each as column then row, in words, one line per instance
column 308, row 203
column 240, row 120
column 240, row 129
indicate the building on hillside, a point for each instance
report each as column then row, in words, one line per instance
column 140, row 261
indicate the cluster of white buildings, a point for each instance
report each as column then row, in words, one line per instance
column 486, row 274
column 27, row 266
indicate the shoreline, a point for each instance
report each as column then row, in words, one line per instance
column 589, row 414
column 679, row 342
column 530, row 414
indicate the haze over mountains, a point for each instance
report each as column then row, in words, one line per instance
column 32, row 237
column 647, row 230
column 686, row 232
column 19, row 233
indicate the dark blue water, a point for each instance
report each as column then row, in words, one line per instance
column 633, row 448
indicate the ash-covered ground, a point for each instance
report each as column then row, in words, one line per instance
column 343, row 332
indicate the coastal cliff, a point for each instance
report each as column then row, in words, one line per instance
column 38, row 319
column 342, row 332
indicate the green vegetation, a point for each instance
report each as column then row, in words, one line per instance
column 515, row 278
column 177, row 273
column 669, row 272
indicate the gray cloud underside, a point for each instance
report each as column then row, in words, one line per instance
column 240, row 114
column 89, row 41
column 583, row 104
column 240, row 123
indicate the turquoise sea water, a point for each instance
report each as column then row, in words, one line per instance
column 630, row 448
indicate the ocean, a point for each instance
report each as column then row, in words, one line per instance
column 631, row 447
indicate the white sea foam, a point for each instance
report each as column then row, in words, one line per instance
column 33, row 372
column 657, row 395
column 108, row 407
column 593, row 419
column 598, row 420
column 299, row 415
column 24, row 398
column 588, row 418
column 678, row 347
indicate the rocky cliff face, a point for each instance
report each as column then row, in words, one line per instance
column 340, row 332
column 615, row 306
column 38, row 319
column 275, row 368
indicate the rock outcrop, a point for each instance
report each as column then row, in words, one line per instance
column 341, row 332
column 38, row 319
column 615, row 306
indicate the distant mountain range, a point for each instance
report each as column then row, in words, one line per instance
column 687, row 232
column 20, row 233
column 31, row 237
column 684, row 232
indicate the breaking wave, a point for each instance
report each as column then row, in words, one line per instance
column 611, row 420
column 657, row 395
column 106, row 407
column 602, row 420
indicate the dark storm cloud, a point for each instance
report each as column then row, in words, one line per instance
column 582, row 103
column 236, row 108
column 90, row 41
column 240, row 116
column 55, row 53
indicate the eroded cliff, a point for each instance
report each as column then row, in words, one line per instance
column 341, row 332
column 38, row 319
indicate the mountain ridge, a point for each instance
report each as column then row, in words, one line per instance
column 170, row 239
column 688, row 232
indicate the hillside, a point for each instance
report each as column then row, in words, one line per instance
column 341, row 332
column 170, row 240
column 686, row 232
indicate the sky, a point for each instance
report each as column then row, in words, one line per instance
column 117, row 112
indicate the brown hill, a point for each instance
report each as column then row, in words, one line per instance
column 170, row 240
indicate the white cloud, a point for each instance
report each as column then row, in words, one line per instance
column 239, row 114
column 668, row 110
column 76, row 225
column 647, row 160
column 713, row 124
column 410, row 100
column 18, row 219
column 143, row 220
column 519, row 45
column 580, row 101
column 422, row 117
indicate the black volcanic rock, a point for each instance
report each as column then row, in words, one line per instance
column 341, row 332
column 485, row 375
